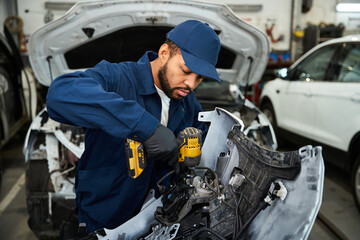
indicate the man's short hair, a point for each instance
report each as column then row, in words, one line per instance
column 173, row 47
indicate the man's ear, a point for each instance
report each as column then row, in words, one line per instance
column 164, row 53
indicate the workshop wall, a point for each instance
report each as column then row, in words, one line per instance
column 36, row 12
column 275, row 19
column 320, row 11
column 3, row 13
column 7, row 8
column 323, row 12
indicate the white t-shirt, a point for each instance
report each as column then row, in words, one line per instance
column 165, row 105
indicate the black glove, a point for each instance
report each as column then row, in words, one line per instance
column 162, row 145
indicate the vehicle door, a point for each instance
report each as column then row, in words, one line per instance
column 338, row 99
column 298, row 102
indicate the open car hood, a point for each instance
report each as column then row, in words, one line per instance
column 124, row 30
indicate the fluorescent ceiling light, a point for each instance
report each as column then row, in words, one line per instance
column 348, row 7
column 246, row 7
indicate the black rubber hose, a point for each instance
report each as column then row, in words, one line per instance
column 162, row 179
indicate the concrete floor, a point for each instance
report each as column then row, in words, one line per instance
column 13, row 219
column 338, row 205
column 339, row 208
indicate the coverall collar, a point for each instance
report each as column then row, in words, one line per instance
column 146, row 79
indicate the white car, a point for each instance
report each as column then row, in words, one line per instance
column 317, row 101
column 124, row 30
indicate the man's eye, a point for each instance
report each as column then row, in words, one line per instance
column 186, row 72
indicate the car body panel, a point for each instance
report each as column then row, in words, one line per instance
column 330, row 104
column 292, row 97
column 292, row 212
column 87, row 22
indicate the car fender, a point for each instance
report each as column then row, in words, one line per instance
column 269, row 93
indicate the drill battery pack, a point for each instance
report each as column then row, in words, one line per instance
column 136, row 158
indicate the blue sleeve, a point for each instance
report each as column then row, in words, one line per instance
column 91, row 99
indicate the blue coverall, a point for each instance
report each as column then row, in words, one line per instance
column 115, row 101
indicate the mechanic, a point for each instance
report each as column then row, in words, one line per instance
column 149, row 101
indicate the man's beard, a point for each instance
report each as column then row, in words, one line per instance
column 164, row 83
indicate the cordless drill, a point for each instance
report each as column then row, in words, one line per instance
column 189, row 140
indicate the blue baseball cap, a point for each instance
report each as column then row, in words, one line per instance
column 199, row 46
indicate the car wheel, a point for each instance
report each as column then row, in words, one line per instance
column 1, row 163
column 268, row 111
column 1, row 132
column 355, row 181
column 1, row 173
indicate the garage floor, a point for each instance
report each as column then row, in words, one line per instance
column 338, row 217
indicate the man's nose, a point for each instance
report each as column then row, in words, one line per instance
column 191, row 80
